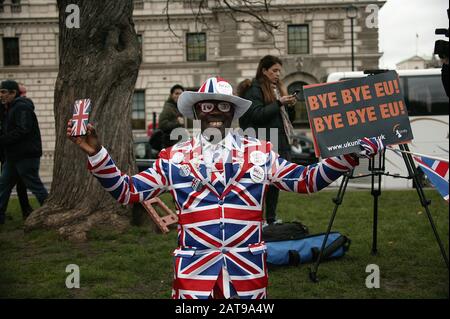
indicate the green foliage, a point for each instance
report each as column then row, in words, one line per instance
column 138, row 263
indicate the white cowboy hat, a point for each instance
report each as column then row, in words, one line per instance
column 216, row 89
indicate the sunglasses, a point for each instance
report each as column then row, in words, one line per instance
column 207, row 107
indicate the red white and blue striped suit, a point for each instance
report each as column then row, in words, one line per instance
column 220, row 226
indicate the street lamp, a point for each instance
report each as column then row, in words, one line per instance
column 352, row 13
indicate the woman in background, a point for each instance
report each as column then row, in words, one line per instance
column 271, row 107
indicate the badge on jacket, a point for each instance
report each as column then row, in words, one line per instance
column 177, row 158
column 257, row 174
column 258, row 158
column 184, row 170
column 197, row 185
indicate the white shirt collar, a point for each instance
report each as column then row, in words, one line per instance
column 227, row 142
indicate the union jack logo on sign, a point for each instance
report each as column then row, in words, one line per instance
column 80, row 117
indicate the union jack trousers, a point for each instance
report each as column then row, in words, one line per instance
column 220, row 229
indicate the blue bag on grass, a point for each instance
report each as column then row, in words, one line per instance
column 306, row 249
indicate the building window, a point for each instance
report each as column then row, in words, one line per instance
column 139, row 37
column 298, row 39
column 11, row 51
column 2, row 6
column 138, row 110
column 196, row 46
column 15, row 6
column 138, row 4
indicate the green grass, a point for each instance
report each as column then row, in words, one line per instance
column 138, row 263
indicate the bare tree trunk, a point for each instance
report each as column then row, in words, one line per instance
column 100, row 60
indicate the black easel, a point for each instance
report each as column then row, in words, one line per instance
column 376, row 172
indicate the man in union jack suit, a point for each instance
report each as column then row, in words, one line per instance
column 218, row 180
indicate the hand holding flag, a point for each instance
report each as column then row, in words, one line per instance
column 370, row 147
column 89, row 143
column 80, row 117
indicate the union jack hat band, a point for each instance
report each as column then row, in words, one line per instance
column 214, row 88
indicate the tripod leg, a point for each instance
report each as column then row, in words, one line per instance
column 337, row 201
column 376, row 172
column 375, row 224
column 409, row 162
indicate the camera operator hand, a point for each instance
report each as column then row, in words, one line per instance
column 89, row 143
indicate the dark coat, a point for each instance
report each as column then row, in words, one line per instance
column 2, row 116
column 20, row 135
column 261, row 115
column 168, row 120
column 446, row 78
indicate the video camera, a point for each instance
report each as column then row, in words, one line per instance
column 441, row 46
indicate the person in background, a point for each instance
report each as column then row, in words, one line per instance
column 272, row 107
column 296, row 148
column 21, row 142
column 151, row 129
column 21, row 189
column 170, row 117
column 22, row 89
column 445, row 75
column 20, row 186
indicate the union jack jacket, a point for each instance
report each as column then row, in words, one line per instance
column 220, row 225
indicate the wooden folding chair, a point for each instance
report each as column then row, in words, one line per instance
column 161, row 222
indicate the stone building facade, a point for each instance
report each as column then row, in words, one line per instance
column 418, row 62
column 313, row 39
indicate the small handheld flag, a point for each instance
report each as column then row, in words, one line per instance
column 437, row 173
column 80, row 117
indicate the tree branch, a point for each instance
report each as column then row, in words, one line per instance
column 233, row 8
column 268, row 25
column 169, row 25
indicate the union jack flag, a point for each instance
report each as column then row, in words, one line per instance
column 437, row 173
column 80, row 118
